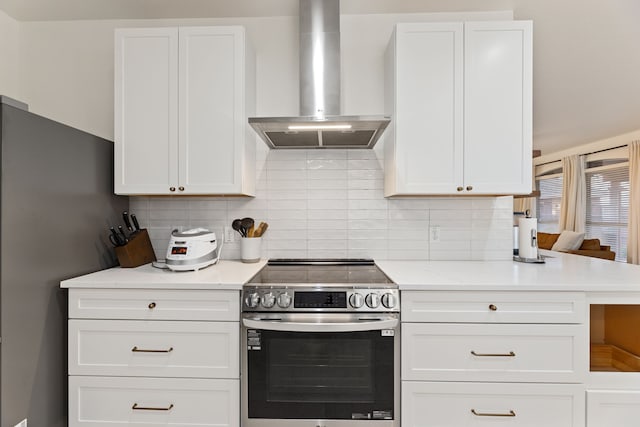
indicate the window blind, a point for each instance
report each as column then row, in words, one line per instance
column 608, row 207
column 548, row 205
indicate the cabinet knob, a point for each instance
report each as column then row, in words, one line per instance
column 459, row 188
column 469, row 188
column 181, row 188
column 493, row 307
column 172, row 188
column 152, row 305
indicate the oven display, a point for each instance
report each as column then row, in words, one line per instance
column 320, row 300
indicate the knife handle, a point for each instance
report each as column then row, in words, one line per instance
column 125, row 217
column 123, row 234
column 136, row 225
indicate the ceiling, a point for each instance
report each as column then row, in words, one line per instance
column 586, row 52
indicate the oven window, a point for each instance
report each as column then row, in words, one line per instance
column 299, row 375
column 320, row 370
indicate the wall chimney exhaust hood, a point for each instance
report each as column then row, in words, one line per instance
column 320, row 124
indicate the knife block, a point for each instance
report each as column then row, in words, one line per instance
column 138, row 251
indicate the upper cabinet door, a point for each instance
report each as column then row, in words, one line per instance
column 459, row 96
column 183, row 96
column 498, row 107
column 426, row 139
column 212, row 113
column 146, row 110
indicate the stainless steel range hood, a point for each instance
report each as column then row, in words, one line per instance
column 320, row 124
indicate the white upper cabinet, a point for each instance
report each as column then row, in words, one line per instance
column 460, row 99
column 182, row 98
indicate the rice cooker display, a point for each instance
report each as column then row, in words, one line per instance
column 179, row 250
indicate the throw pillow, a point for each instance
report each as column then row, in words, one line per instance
column 590, row 245
column 568, row 240
column 546, row 240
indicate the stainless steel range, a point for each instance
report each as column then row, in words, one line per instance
column 320, row 345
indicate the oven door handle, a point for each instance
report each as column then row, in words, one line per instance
column 353, row 326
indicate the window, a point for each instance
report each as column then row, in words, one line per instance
column 548, row 207
column 608, row 207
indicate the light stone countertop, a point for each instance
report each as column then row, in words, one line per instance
column 560, row 272
column 225, row 275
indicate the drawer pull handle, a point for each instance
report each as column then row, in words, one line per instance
column 149, row 408
column 493, row 307
column 510, row 354
column 141, row 350
column 152, row 305
column 490, row 414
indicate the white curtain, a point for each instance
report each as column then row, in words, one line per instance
column 633, row 240
column 574, row 194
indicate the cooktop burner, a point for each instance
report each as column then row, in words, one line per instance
column 321, row 272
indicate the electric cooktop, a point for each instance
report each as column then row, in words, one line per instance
column 321, row 272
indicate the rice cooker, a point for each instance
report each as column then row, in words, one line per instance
column 192, row 250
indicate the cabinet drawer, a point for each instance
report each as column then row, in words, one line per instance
column 108, row 402
column 154, row 304
column 619, row 408
column 493, row 307
column 480, row 352
column 154, row 348
column 426, row 404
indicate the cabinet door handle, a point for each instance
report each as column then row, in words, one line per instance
column 181, row 188
column 150, row 408
column 492, row 414
column 493, row 307
column 469, row 188
column 459, row 188
column 510, row 354
column 152, row 305
column 142, row 350
column 172, row 188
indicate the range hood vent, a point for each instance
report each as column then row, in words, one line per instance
column 320, row 124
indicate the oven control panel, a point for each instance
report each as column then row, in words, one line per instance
column 327, row 300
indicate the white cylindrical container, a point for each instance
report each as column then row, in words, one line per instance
column 250, row 249
column 528, row 238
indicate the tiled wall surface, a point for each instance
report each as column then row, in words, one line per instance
column 329, row 203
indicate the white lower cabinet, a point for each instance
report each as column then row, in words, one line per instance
column 115, row 401
column 153, row 348
column 609, row 408
column 493, row 358
column 131, row 362
column 440, row 404
column 498, row 352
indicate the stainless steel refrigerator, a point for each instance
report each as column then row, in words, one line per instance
column 56, row 187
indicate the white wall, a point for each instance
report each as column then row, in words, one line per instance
column 9, row 49
column 67, row 67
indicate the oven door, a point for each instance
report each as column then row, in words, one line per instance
column 329, row 369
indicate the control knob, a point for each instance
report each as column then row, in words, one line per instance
column 388, row 300
column 284, row 300
column 252, row 300
column 372, row 300
column 268, row 300
column 356, row 300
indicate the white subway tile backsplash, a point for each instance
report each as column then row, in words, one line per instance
column 327, row 204
column 326, row 164
column 330, row 204
column 327, row 174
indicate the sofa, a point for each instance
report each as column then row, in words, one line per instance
column 589, row 247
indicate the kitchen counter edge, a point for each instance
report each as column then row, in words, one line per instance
column 225, row 275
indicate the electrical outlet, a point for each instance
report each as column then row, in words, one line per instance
column 22, row 423
column 434, row 233
column 228, row 234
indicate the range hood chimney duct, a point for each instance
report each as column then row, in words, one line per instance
column 319, row 58
column 320, row 124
